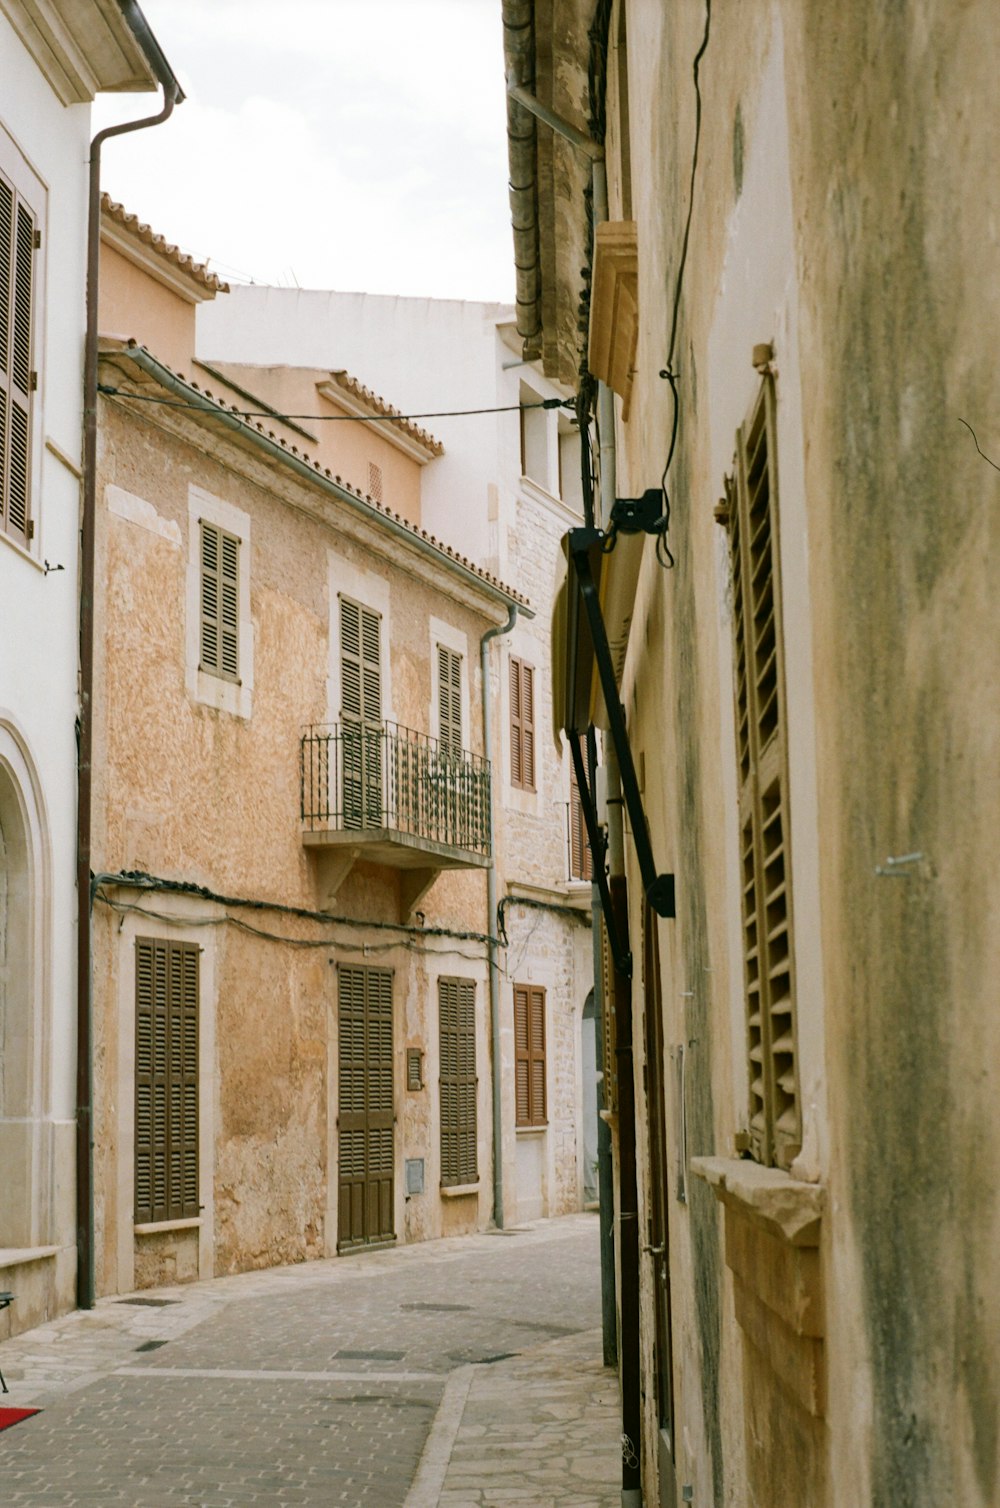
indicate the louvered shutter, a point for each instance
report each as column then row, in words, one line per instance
column 366, row 1111
column 457, row 1032
column 166, row 1080
column 529, row 1055
column 580, row 866
column 528, row 726
column 220, row 601
column 361, row 712
column 750, row 512
column 516, row 753
column 522, row 724
column 17, row 259
column 450, row 700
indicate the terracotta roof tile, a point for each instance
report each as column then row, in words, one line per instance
column 136, row 227
column 377, row 405
column 111, row 346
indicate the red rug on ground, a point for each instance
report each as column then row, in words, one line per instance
column 14, row 1416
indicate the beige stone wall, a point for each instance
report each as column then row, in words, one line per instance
column 209, row 794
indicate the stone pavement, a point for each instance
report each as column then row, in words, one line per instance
column 463, row 1371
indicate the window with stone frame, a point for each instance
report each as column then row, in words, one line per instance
column 750, row 515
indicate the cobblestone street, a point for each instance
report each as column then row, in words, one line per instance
column 464, row 1371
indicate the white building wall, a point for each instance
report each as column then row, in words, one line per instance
column 38, row 684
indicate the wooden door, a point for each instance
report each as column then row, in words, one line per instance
column 366, row 1153
column 658, row 1246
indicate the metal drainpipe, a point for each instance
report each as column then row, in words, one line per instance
column 172, row 93
column 491, row 926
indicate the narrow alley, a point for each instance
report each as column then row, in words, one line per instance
column 461, row 1371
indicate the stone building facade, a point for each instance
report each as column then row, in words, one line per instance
column 786, row 301
column 504, row 492
column 292, row 835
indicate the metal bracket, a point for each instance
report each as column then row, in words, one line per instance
column 658, row 888
column 619, row 952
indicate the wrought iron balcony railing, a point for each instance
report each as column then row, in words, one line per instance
column 359, row 777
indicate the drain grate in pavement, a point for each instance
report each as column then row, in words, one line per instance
column 369, row 1355
column 544, row 1328
column 469, row 1358
column 151, row 1345
column 148, row 1303
column 436, row 1308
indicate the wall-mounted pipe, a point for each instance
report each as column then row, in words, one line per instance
column 172, row 94
column 491, row 916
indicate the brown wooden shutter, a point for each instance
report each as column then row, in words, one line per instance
column 17, row 259
column 166, row 1080
column 220, row 602
column 750, row 512
column 457, row 1030
column 522, row 724
column 580, row 865
column 450, row 700
column 529, row 1055
column 366, row 1111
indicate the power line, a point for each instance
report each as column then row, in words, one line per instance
column 246, row 413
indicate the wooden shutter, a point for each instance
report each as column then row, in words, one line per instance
column 580, row 864
column 366, row 1113
column 361, row 711
column 17, row 380
column 166, row 1080
column 750, row 512
column 529, row 1055
column 450, row 700
column 220, row 602
column 522, row 724
column 457, row 1031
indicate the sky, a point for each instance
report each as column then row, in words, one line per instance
column 350, row 144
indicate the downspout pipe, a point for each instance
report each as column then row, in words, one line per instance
column 491, row 912
column 172, row 94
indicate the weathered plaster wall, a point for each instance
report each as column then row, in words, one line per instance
column 134, row 305
column 844, row 211
column 192, row 791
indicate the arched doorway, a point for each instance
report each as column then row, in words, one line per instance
column 17, row 1026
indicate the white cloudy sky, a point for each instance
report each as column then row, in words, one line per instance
column 349, row 144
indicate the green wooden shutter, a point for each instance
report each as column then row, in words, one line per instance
column 361, row 714
column 166, row 1080
column 17, row 381
column 220, row 599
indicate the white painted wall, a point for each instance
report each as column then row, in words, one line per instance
column 38, row 665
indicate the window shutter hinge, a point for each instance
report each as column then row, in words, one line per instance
column 743, row 1141
column 33, row 382
column 29, row 529
column 36, row 240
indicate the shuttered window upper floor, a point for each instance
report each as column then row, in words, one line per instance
column 20, row 242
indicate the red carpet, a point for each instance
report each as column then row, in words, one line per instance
column 14, row 1416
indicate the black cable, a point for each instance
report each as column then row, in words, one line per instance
column 522, row 900
column 247, row 413
column 138, row 879
column 668, row 373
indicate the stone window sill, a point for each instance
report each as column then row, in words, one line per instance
column 783, row 1206
column 16, row 1256
column 458, row 1190
column 158, row 1227
column 531, row 1130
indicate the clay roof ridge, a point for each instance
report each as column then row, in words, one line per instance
column 383, row 407
column 166, row 249
column 131, row 344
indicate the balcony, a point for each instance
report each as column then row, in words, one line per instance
column 394, row 797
